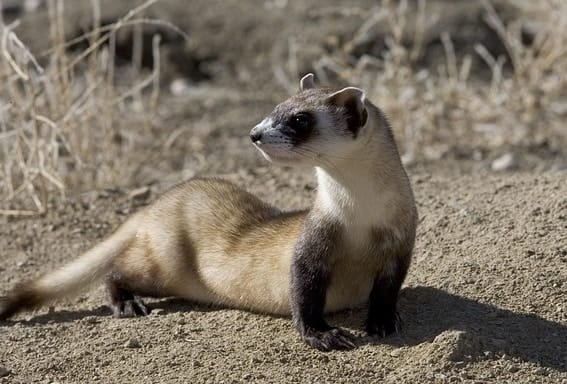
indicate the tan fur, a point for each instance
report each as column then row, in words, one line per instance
column 212, row 242
column 200, row 245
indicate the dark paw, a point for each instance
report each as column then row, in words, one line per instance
column 384, row 325
column 334, row 338
column 130, row 308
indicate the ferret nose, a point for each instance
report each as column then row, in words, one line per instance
column 255, row 134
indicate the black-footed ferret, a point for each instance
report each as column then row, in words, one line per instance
column 209, row 241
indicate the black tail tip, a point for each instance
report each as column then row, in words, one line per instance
column 16, row 301
column 5, row 308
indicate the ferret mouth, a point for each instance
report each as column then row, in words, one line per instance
column 275, row 153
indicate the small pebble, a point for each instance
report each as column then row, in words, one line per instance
column 91, row 320
column 133, row 343
column 505, row 162
column 395, row 353
column 179, row 87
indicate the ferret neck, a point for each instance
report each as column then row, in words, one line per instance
column 363, row 190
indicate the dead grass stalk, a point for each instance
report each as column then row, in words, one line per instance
column 58, row 119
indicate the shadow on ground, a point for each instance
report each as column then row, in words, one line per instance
column 484, row 328
column 427, row 313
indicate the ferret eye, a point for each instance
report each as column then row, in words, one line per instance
column 300, row 121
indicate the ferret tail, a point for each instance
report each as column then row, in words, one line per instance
column 70, row 279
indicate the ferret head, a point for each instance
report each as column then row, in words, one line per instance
column 314, row 126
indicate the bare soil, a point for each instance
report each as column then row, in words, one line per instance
column 485, row 300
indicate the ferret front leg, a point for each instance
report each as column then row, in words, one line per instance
column 383, row 318
column 310, row 275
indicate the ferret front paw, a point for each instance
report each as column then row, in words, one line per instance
column 384, row 325
column 331, row 339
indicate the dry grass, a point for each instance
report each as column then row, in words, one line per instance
column 58, row 120
column 59, row 113
column 435, row 110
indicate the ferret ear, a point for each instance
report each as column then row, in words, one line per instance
column 352, row 99
column 307, row 82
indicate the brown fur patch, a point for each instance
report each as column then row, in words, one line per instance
column 311, row 100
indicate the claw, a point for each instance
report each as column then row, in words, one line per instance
column 332, row 339
column 131, row 308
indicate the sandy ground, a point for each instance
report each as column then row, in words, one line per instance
column 485, row 300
